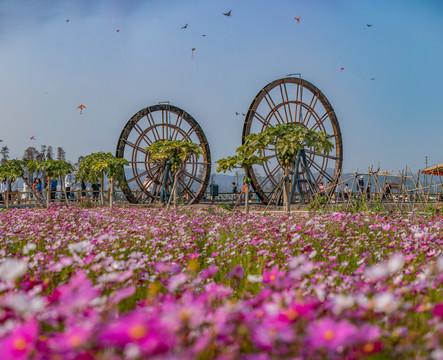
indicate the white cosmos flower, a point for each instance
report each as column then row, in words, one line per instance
column 385, row 302
column 395, row 263
column 28, row 247
column 254, row 278
column 12, row 269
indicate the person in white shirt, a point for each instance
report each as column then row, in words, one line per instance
column 68, row 185
column 14, row 191
column 25, row 194
column 346, row 192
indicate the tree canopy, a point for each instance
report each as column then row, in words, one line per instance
column 175, row 151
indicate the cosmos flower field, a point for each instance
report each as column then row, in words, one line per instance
column 96, row 283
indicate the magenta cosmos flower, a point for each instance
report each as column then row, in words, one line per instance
column 20, row 342
column 331, row 335
column 147, row 331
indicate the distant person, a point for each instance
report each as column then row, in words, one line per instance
column 3, row 189
column 83, row 186
column 388, row 191
column 148, row 186
column 38, row 187
column 34, row 187
column 368, row 192
column 322, row 189
column 53, row 187
column 68, row 184
column 244, row 190
column 346, row 192
column 361, row 185
column 337, row 192
column 95, row 190
column 25, row 196
column 234, row 190
column 13, row 191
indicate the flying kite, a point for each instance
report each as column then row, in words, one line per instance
column 192, row 53
column 204, row 35
column 293, row 74
column 369, row 25
column 33, row 138
column 372, row 78
column 185, row 27
column 1, row 140
column 228, row 14
column 117, row 30
column 298, row 19
column 67, row 20
column 341, row 69
column 81, row 107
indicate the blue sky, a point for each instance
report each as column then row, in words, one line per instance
column 48, row 67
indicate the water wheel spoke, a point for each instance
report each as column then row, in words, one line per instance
column 135, row 147
column 191, row 176
column 320, row 170
column 137, row 176
column 332, row 157
column 153, row 125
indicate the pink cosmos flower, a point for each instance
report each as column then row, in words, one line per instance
column 438, row 310
column 20, row 342
column 71, row 339
column 276, row 278
column 236, row 273
column 294, row 311
column 331, row 335
column 147, row 331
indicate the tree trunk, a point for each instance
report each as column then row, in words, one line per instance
column 247, row 198
column 286, row 200
column 102, row 198
column 48, row 194
column 175, row 188
column 7, row 197
column 33, row 192
column 111, row 192
column 64, row 189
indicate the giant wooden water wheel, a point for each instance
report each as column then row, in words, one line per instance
column 144, row 177
column 294, row 100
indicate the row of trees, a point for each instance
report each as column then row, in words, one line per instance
column 285, row 139
column 31, row 153
column 93, row 167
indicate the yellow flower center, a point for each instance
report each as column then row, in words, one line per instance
column 272, row 277
column 185, row 314
column 75, row 340
column 19, row 343
column 329, row 335
column 367, row 348
column 273, row 332
column 291, row 314
column 137, row 331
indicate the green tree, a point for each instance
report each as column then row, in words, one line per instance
column 12, row 170
column 113, row 168
column 5, row 154
column 56, row 169
column 241, row 160
column 98, row 165
column 287, row 140
column 176, row 152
